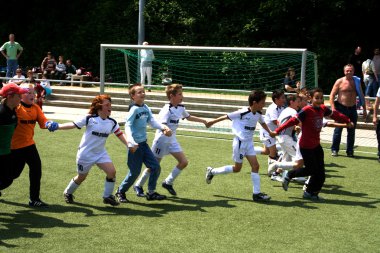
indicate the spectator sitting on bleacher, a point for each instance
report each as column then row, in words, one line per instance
column 18, row 78
column 60, row 73
column 70, row 69
column 46, row 85
column 48, row 65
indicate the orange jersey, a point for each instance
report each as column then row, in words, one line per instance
column 27, row 116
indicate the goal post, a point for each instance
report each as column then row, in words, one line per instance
column 209, row 67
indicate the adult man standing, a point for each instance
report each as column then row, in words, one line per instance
column 146, row 56
column 347, row 88
column 8, row 120
column 11, row 51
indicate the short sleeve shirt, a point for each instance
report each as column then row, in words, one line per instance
column 244, row 123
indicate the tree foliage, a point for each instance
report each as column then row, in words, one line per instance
column 332, row 29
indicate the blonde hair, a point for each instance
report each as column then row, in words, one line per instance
column 132, row 89
column 173, row 89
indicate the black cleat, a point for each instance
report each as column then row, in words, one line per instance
column 121, row 197
column 111, row 200
column 37, row 203
column 260, row 197
column 155, row 196
column 139, row 191
column 69, row 198
column 169, row 187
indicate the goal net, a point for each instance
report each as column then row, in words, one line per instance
column 210, row 67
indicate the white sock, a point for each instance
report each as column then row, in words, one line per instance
column 258, row 150
column 141, row 181
column 173, row 175
column 71, row 187
column 285, row 165
column 255, row 177
column 109, row 185
column 222, row 170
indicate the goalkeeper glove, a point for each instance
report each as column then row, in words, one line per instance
column 51, row 126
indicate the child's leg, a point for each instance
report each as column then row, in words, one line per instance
column 143, row 178
column 255, row 177
column 151, row 162
column 135, row 161
column 75, row 183
column 182, row 163
column 109, row 183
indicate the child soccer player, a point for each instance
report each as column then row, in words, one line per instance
column 271, row 116
column 311, row 117
column 163, row 145
column 91, row 149
column 138, row 117
column 24, row 150
column 243, row 126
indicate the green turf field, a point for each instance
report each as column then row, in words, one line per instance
column 220, row 217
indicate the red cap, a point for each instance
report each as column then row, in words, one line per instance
column 12, row 88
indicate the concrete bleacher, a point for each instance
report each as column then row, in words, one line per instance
column 201, row 105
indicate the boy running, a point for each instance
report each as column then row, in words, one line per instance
column 169, row 115
column 139, row 152
column 243, row 126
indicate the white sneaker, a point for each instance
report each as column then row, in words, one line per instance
column 277, row 178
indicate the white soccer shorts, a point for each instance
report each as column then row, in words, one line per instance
column 84, row 165
column 290, row 147
column 160, row 148
column 241, row 149
column 267, row 140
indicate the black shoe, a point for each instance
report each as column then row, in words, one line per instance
column 169, row 187
column 139, row 191
column 350, row 154
column 111, row 200
column 121, row 197
column 377, row 160
column 260, row 197
column 69, row 198
column 37, row 203
column 0, row 192
column 155, row 196
column 334, row 153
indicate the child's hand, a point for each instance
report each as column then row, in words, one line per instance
column 273, row 134
column 297, row 129
column 167, row 131
column 133, row 149
column 209, row 124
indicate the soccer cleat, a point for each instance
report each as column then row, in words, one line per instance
column 155, row 196
column 307, row 195
column 121, row 197
column 272, row 168
column 276, row 177
column 334, row 153
column 111, row 200
column 209, row 175
column 299, row 179
column 169, row 187
column 285, row 180
column 139, row 191
column 37, row 203
column 350, row 154
column 260, row 197
column 69, row 198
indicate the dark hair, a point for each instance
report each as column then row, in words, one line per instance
column 313, row 91
column 256, row 96
column 277, row 94
column 291, row 97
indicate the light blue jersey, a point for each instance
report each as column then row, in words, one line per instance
column 135, row 124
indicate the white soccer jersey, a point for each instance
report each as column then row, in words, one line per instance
column 244, row 123
column 94, row 139
column 271, row 114
column 170, row 115
column 286, row 114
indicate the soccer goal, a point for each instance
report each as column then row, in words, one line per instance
column 235, row 68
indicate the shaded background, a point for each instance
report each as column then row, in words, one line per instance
column 75, row 29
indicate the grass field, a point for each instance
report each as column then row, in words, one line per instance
column 220, row 217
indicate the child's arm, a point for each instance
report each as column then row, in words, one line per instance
column 165, row 129
column 196, row 119
column 375, row 108
column 342, row 125
column 272, row 134
column 212, row 122
column 66, row 126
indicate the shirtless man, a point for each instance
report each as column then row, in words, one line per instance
column 347, row 88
